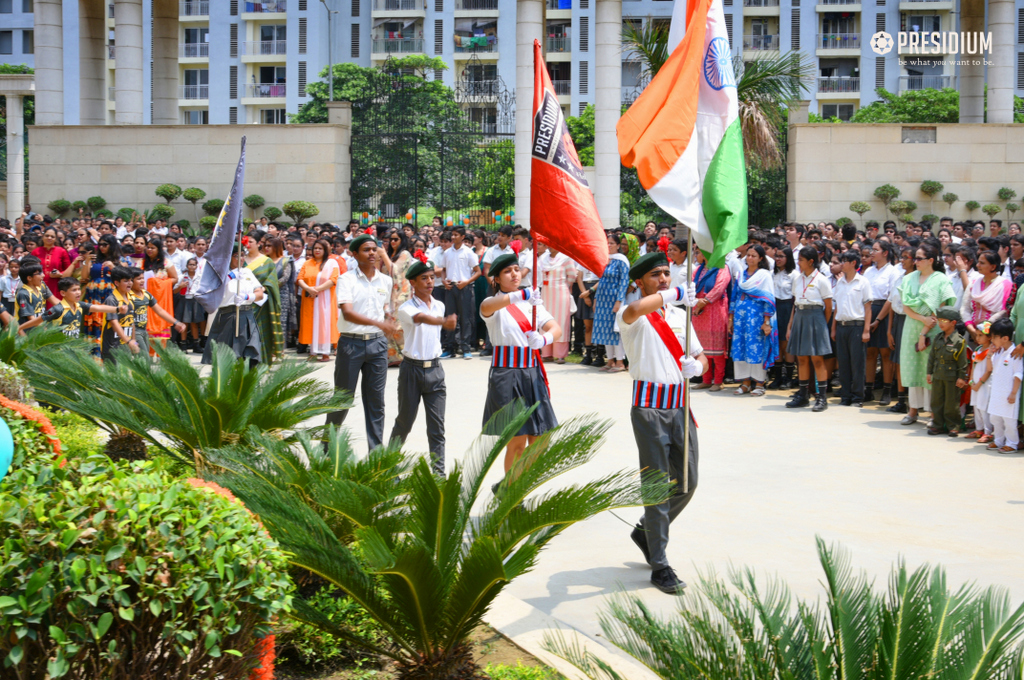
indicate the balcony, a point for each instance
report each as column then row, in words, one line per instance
column 908, row 83
column 476, row 44
column 110, row 11
column 265, row 90
column 839, row 41
column 194, row 8
column 111, row 94
column 269, row 6
column 265, row 48
column 110, row 51
column 398, row 6
column 194, row 51
column 194, row 92
column 560, row 44
column 760, row 3
column 480, row 88
column 476, row 5
column 759, row 43
column 930, row 5
column 838, row 85
column 398, row 46
column 562, row 87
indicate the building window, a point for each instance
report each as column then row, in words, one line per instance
column 26, row 7
column 843, row 112
column 273, row 116
column 197, row 42
column 196, row 117
column 197, row 84
column 6, row 7
column 6, row 42
column 28, row 42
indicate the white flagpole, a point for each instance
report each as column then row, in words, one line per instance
column 238, row 279
column 686, row 382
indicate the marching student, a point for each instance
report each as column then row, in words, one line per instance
column 33, row 296
column 241, row 291
column 119, row 327
column 851, row 328
column 516, row 368
column 420, row 375
column 1006, row 373
column 653, row 333
column 947, row 373
column 68, row 314
column 142, row 300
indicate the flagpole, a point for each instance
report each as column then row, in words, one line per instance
column 686, row 381
column 238, row 279
column 533, row 273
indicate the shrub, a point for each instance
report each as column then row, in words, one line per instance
column 161, row 211
column 1006, row 194
column 991, row 209
column 255, row 202
column 35, row 438
column 910, row 206
column 76, row 434
column 843, row 221
column 78, row 205
column 13, row 384
column 213, row 207
column 949, row 199
column 520, row 672
column 96, row 203
column 972, row 205
column 132, row 574
column 300, row 210
column 103, row 212
column 934, row 219
column 886, row 193
column 184, row 224
column 193, row 194
column 246, row 221
column 207, row 222
column 860, row 207
column 931, row 187
column 168, row 192
column 127, row 213
column 898, row 207
column 59, row 207
column 1011, row 208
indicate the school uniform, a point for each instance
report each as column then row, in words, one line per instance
column 897, row 318
column 31, row 302
column 8, row 290
column 526, row 262
column 783, row 283
column 809, row 335
column 458, row 265
column 1003, row 414
column 363, row 350
column 421, row 376
column 516, row 370
column 947, row 363
column 882, row 281
column 110, row 342
column 851, row 356
column 142, row 302
column 67, row 318
column 660, row 417
column 980, row 396
column 239, row 293
column 490, row 255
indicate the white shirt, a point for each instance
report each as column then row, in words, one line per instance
column 504, row 330
column 649, row 359
column 494, row 252
column 240, row 288
column 178, row 259
column 811, row 290
column 526, row 263
column 434, row 254
column 588, row 276
column 958, row 284
column 850, row 298
column 1004, row 369
column 458, row 263
column 735, row 264
column 895, row 297
column 422, row 340
column 882, row 280
column 369, row 297
column 783, row 281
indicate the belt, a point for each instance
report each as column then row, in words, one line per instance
column 361, row 336
column 880, row 300
column 658, row 395
column 422, row 363
column 854, row 322
column 513, row 356
column 231, row 308
column 810, row 306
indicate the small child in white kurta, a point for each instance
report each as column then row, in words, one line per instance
column 981, row 389
column 1003, row 408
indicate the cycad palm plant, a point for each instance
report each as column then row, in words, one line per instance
column 430, row 573
column 917, row 630
column 176, row 409
column 15, row 349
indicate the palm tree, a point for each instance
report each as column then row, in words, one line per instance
column 428, row 569
column 179, row 412
column 917, row 630
column 765, row 87
column 15, row 349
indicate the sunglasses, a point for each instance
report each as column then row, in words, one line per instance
column 918, row 259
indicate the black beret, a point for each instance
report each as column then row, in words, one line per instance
column 417, row 268
column 501, row 262
column 360, row 240
column 646, row 264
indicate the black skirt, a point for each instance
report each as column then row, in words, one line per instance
column 897, row 336
column 245, row 345
column 784, row 310
column 880, row 336
column 191, row 311
column 505, row 385
column 810, row 336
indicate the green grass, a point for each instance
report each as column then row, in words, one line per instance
column 520, row 672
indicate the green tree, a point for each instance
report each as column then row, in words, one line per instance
column 860, row 207
column 913, row 106
column 213, row 207
column 949, row 198
column 300, row 210
column 193, row 195
column 272, row 213
column 1006, row 194
column 930, row 188
column 581, row 129
column 991, row 209
column 168, row 192
column 886, row 194
column 254, row 202
column 1011, row 208
column 972, row 206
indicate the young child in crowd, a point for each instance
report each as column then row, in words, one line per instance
column 947, row 373
column 142, row 300
column 1006, row 373
column 9, row 283
column 68, row 314
column 32, row 296
column 981, row 387
column 119, row 330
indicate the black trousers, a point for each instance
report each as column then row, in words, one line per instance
column 851, row 357
column 416, row 383
column 368, row 358
column 463, row 305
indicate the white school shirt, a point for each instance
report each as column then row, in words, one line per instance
column 434, row 254
column 178, row 259
column 1004, row 369
column 850, row 298
column 458, row 263
column 526, row 262
column 492, row 253
column 649, row 359
column 783, row 282
column 422, row 340
column 895, row 297
column 504, row 330
column 882, row 280
column 369, row 297
column 958, row 285
column 811, row 290
column 735, row 264
column 9, row 286
column 240, row 288
column 588, row 276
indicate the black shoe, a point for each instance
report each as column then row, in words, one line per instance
column 588, row 356
column 886, row 397
column 869, row 395
column 937, row 430
column 599, row 360
column 898, row 407
column 799, row 399
column 487, row 353
column 639, row 536
column 845, row 402
column 820, row 403
column 197, row 349
column 777, row 383
column 857, row 403
column 666, row 581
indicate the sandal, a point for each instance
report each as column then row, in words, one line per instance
column 312, row 357
column 977, row 434
column 324, row 359
column 617, row 369
column 742, row 389
column 757, row 391
column 985, row 439
column 1008, row 449
column 993, row 445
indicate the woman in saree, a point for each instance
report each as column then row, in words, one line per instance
column 268, row 316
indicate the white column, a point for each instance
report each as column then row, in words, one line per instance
column 49, row 69
column 530, row 21
column 128, row 62
column 165, row 62
column 15, row 156
column 1001, row 24
column 972, row 78
column 92, row 62
column 607, row 110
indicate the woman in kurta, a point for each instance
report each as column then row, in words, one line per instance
column 319, row 326
column 108, row 256
column 398, row 251
column 268, row 316
column 608, row 293
column 557, row 273
column 284, row 267
column 160, row 279
column 711, row 317
column 987, row 297
column 755, row 331
column 922, row 293
column 55, row 260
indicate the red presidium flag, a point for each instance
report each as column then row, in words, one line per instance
column 562, row 210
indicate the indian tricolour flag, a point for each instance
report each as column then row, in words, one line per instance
column 682, row 134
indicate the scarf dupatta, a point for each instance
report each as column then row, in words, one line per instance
column 705, row 278
column 990, row 299
column 759, row 286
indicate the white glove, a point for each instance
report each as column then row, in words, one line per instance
column 691, row 367
column 536, row 340
column 535, row 298
column 691, row 295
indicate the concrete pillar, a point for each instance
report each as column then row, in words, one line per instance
column 49, row 68
column 15, row 156
column 92, row 61
column 607, row 110
column 529, row 27
column 128, row 62
column 801, row 114
column 165, row 62
column 339, row 113
column 1001, row 24
column 972, row 78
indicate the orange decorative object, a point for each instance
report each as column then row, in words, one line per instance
column 45, row 426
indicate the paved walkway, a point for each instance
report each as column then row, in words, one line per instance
column 770, row 480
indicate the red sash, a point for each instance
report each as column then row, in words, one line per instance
column 526, row 326
column 664, row 332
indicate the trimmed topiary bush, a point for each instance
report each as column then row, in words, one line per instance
column 160, row 212
column 103, row 212
column 58, row 207
column 184, row 224
column 78, row 205
column 934, row 219
column 208, row 222
column 949, row 198
column 991, row 209
column 972, row 205
column 168, row 192
column 213, row 206
column 254, row 202
column 96, row 203
column 300, row 210
column 843, row 221
column 272, row 213
column 193, row 194
column 131, row 574
column 126, row 213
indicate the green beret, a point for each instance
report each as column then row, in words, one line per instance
column 948, row 313
column 417, row 268
column 360, row 240
column 646, row 264
column 501, row 262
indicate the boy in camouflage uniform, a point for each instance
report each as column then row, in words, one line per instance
column 947, row 374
